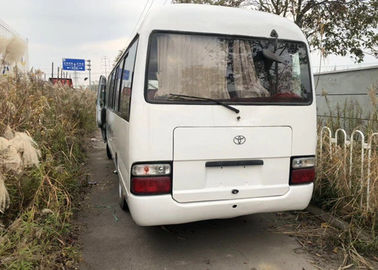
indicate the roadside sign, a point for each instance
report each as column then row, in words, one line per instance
column 73, row 64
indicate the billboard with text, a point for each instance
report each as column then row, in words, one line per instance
column 73, row 64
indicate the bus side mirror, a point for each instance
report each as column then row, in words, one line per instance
column 101, row 91
column 102, row 99
column 103, row 116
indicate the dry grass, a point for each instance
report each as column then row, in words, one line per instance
column 335, row 179
column 330, row 247
column 344, row 192
column 36, row 228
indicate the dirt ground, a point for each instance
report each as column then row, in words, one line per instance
column 111, row 240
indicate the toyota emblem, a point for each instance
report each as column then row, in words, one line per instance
column 240, row 139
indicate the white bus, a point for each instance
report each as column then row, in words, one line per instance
column 210, row 113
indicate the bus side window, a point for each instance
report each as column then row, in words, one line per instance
column 117, row 79
column 113, row 88
column 103, row 95
column 110, row 91
column 127, row 81
column 107, row 92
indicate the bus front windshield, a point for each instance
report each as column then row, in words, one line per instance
column 229, row 69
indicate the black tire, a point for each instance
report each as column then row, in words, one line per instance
column 108, row 153
column 121, row 197
column 103, row 134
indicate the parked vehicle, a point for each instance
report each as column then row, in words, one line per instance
column 63, row 81
column 210, row 113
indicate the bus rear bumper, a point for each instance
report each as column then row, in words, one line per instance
column 164, row 210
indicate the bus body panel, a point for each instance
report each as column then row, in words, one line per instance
column 158, row 210
column 200, row 152
column 219, row 20
column 122, row 156
column 156, row 121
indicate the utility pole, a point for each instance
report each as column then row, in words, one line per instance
column 89, row 71
column 105, row 66
column 58, row 73
column 52, row 69
column 75, row 78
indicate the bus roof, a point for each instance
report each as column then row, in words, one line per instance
column 220, row 20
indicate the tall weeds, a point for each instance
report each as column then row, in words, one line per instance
column 35, row 230
column 343, row 189
column 11, row 52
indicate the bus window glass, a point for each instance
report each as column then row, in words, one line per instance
column 234, row 70
column 126, row 83
column 110, row 91
column 117, row 80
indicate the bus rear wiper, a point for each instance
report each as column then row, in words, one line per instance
column 207, row 99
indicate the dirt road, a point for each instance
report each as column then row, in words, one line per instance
column 111, row 240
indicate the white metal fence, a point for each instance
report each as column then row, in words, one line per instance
column 356, row 153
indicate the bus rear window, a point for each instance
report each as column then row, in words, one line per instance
column 228, row 69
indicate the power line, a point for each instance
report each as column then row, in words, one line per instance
column 9, row 29
column 89, row 71
column 105, row 65
column 140, row 15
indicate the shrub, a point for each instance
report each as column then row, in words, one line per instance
column 36, row 227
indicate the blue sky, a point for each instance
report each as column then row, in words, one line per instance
column 89, row 29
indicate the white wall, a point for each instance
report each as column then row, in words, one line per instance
column 346, row 86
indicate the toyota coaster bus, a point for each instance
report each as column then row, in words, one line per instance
column 210, row 113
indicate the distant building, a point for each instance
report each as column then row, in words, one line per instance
column 13, row 49
column 352, row 86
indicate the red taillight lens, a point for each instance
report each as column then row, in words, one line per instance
column 151, row 185
column 302, row 176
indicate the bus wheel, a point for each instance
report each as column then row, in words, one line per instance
column 121, row 197
column 108, row 153
column 103, row 134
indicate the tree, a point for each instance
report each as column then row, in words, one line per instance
column 332, row 26
column 120, row 52
column 227, row 3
